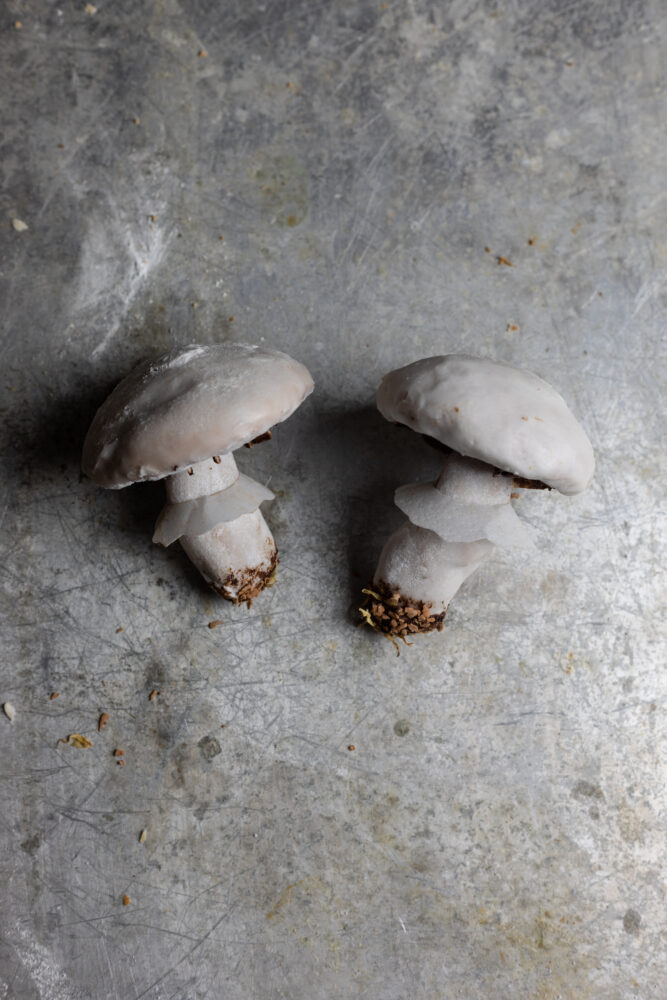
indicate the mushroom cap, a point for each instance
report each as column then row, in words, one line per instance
column 187, row 405
column 501, row 415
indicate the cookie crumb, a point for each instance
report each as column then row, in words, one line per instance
column 126, row 899
column 153, row 695
column 9, row 710
column 54, row 695
column 19, row 225
column 266, row 436
column 102, row 721
column 76, row 740
column 142, row 836
column 386, row 610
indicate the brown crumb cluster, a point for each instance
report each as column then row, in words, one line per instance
column 244, row 587
column 389, row 611
column 520, row 482
column 266, row 436
column 530, row 484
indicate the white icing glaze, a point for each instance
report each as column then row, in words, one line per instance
column 422, row 567
column 502, row 415
column 457, row 522
column 231, row 548
column 199, row 514
column 470, row 501
column 188, row 405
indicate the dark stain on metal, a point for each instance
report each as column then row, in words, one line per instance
column 209, row 747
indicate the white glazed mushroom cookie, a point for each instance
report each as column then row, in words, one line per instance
column 507, row 429
column 179, row 418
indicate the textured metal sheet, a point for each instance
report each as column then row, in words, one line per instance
column 327, row 179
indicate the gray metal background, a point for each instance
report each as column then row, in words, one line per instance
column 329, row 175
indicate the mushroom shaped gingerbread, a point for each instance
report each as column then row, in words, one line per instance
column 506, row 429
column 179, row 418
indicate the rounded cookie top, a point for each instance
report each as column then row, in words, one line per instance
column 494, row 412
column 185, row 406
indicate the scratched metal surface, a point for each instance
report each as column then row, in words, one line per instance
column 329, row 175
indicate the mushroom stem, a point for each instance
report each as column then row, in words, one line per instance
column 417, row 575
column 454, row 525
column 202, row 478
column 237, row 558
column 469, row 481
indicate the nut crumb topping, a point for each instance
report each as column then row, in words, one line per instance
column 244, row 587
column 387, row 610
column 266, row 436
